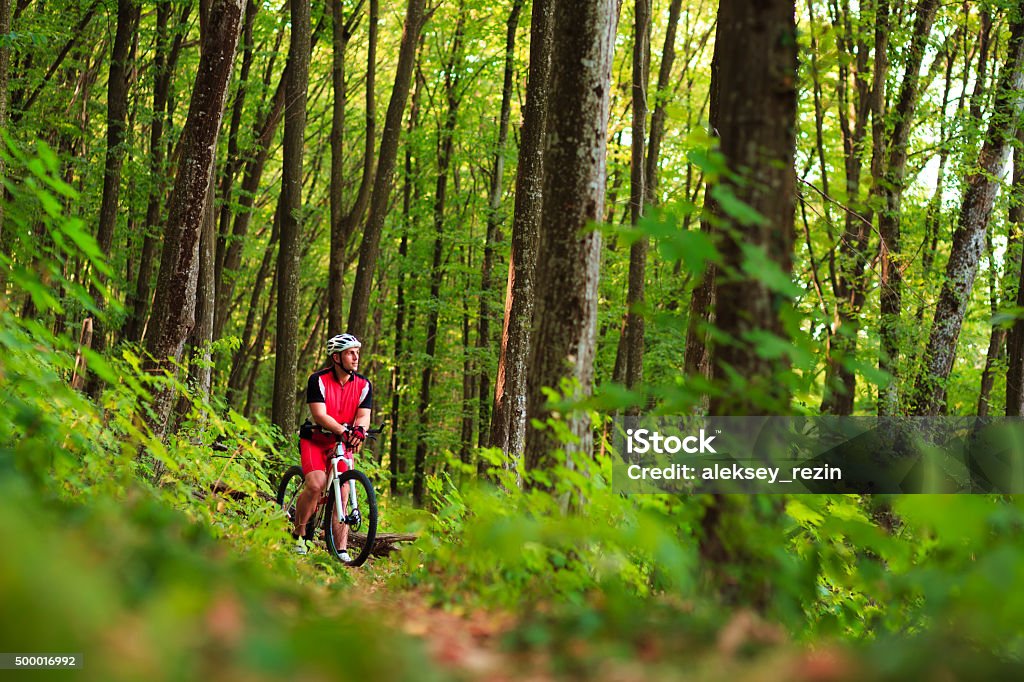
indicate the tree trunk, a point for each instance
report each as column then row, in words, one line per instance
column 174, row 309
column 445, row 146
column 286, row 360
column 469, row 394
column 259, row 343
column 756, row 59
column 847, row 273
column 573, row 196
column 508, row 425
column 661, row 98
column 988, row 376
column 117, row 112
column 5, row 62
column 969, row 238
column 890, row 188
column 343, row 225
column 1015, row 336
column 410, row 194
column 232, row 165
column 264, row 132
column 495, row 219
column 164, row 64
column 370, row 245
column 266, row 273
column 934, row 212
column 200, row 367
column 633, row 330
column 753, row 108
column 397, row 374
column 243, row 214
column 701, row 314
column 697, row 351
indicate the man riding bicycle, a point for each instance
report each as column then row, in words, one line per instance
column 340, row 402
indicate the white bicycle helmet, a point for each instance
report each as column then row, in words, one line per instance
column 342, row 342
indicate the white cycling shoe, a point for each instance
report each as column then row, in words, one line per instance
column 343, row 555
column 300, row 546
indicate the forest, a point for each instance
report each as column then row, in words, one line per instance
column 537, row 217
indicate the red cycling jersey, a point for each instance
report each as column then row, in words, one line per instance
column 341, row 401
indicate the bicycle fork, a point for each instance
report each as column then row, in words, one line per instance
column 350, row 515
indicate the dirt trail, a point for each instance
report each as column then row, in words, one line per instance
column 475, row 644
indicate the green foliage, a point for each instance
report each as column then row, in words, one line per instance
column 187, row 577
column 503, row 545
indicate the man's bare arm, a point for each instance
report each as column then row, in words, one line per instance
column 320, row 416
column 362, row 418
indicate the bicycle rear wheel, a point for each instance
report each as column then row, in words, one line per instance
column 292, row 484
column 363, row 520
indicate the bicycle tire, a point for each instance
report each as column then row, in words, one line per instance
column 286, row 498
column 368, row 518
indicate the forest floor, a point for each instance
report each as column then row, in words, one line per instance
column 473, row 643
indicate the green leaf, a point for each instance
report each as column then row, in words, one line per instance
column 42, row 298
column 736, row 209
column 768, row 345
column 759, row 266
column 693, row 247
column 73, row 228
column 99, row 366
column 803, row 514
column 1007, row 317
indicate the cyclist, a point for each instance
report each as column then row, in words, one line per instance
column 340, row 402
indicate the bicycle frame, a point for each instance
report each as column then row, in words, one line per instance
column 352, row 511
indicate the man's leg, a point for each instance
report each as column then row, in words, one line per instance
column 306, row 504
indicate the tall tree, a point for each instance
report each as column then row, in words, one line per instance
column 573, row 196
column 859, row 89
column 697, row 349
column 250, row 346
column 201, row 369
column 754, row 85
column 117, row 113
column 174, row 308
column 165, row 58
column 633, row 329
column 342, row 225
column 228, row 265
column 890, row 187
column 969, row 237
column 410, row 194
column 753, row 108
column 508, row 423
column 445, row 149
column 369, row 248
column 5, row 62
column 661, row 100
column 286, row 361
column 233, row 164
column 495, row 218
column 996, row 340
column 1015, row 335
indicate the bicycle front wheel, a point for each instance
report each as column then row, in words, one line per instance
column 292, row 484
column 362, row 520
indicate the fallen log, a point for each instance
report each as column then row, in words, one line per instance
column 384, row 544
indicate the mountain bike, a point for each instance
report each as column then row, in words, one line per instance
column 358, row 508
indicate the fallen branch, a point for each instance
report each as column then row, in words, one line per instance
column 385, row 543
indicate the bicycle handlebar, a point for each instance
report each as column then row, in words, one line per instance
column 371, row 433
